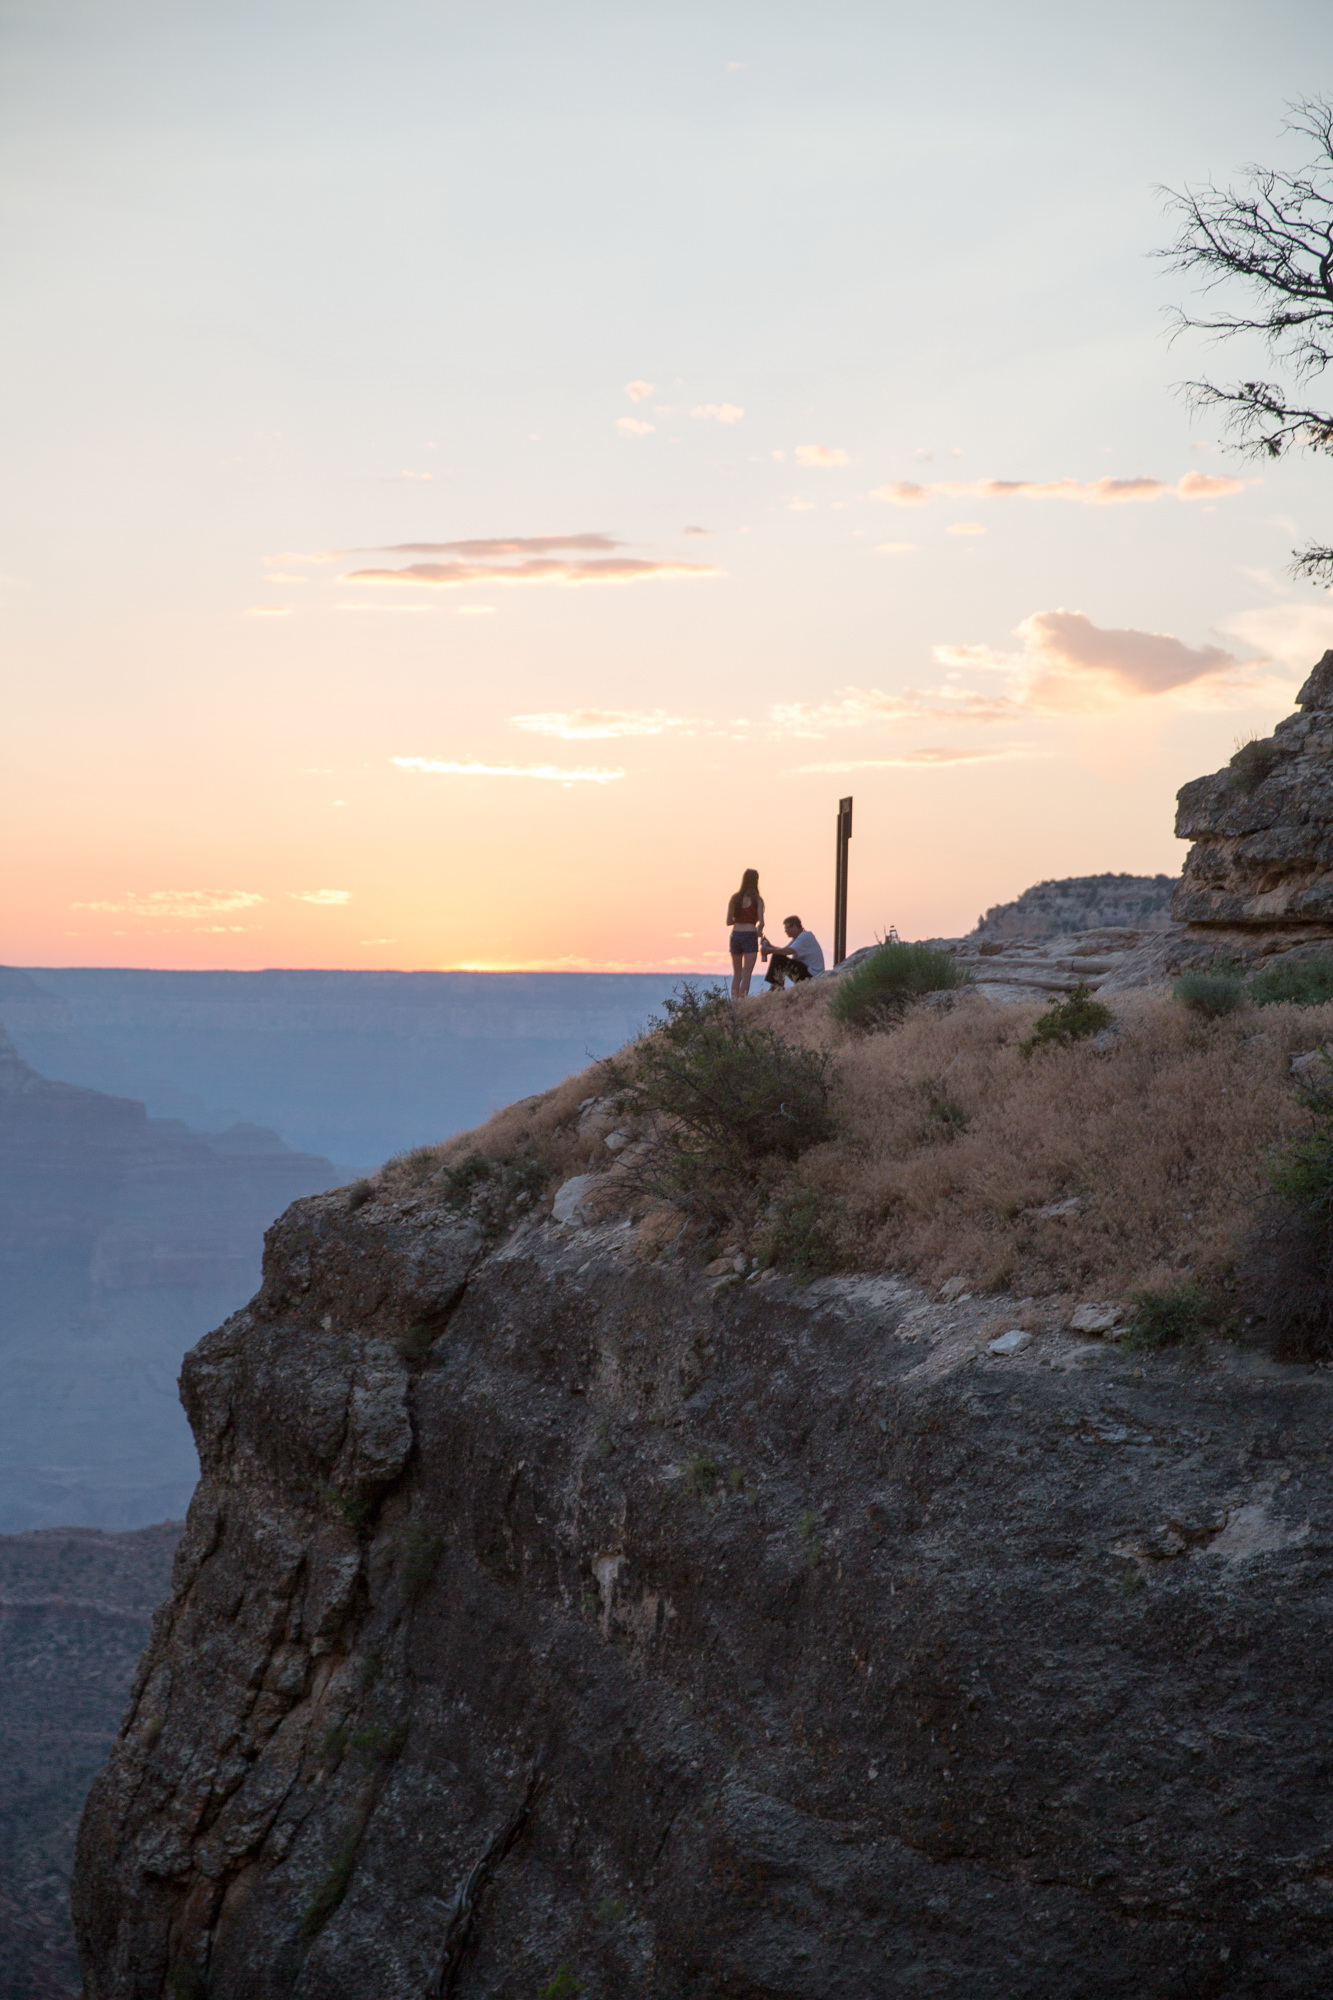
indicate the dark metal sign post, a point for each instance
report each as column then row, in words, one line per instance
column 840, row 882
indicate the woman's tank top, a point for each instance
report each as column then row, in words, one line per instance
column 745, row 910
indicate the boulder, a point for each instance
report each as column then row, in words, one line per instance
column 1260, row 872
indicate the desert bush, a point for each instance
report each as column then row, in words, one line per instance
column 1252, row 763
column 564, row 1986
column 415, row 1342
column 1301, row 982
column 1286, row 1268
column 492, row 1192
column 1167, row 1143
column 728, row 1098
column 1211, row 994
column 877, row 990
column 421, row 1552
column 1170, row 1316
column 1285, row 1282
column 799, row 1234
column 355, row 1509
column 1070, row 1020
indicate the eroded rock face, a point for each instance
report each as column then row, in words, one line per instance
column 1262, row 860
column 1079, row 903
column 542, row 1608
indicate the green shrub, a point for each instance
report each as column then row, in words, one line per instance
column 417, row 1161
column 1211, row 994
column 730, row 1102
column 1170, row 1317
column 877, row 990
column 1285, row 1270
column 334, row 1746
column 1301, row 1172
column 420, row 1559
column 799, row 1234
column 1069, row 1020
column 492, row 1192
column 331, row 1889
column 1302, row 982
column 1252, row 763
column 701, row 1474
column 378, row 1745
column 355, row 1509
column 564, row 1986
column 415, row 1342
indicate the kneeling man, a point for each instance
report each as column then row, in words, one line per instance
column 801, row 957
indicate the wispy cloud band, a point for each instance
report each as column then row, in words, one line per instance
column 1089, row 492
column 556, row 774
column 610, row 569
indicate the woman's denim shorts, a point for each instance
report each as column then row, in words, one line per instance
column 743, row 941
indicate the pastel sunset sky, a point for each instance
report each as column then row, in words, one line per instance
column 478, row 477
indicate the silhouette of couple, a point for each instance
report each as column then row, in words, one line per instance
column 797, row 960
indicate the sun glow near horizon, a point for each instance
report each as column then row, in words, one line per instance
column 530, row 641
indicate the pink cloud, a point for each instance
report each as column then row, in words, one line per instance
column 639, row 392
column 721, row 413
column 581, row 724
column 493, row 546
column 1090, row 492
column 927, row 757
column 854, row 708
column 556, row 774
column 821, row 454
column 1069, row 666
column 634, row 427
column 613, row 569
column 1065, row 645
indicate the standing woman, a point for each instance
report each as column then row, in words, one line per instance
column 745, row 914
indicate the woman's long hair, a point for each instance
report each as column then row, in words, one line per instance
column 749, row 882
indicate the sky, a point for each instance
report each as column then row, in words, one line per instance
column 477, row 478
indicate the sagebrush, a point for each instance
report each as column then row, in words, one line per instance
column 945, row 1149
column 1210, row 994
column 875, row 992
column 1072, row 1019
column 726, row 1100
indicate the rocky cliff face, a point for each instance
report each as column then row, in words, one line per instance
column 1080, row 903
column 1261, row 867
column 550, row 1620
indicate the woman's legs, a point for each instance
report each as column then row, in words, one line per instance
column 742, row 965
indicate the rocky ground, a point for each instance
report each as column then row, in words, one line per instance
column 75, row 1610
column 556, row 1620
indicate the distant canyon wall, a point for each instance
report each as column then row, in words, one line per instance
column 121, row 1240
column 1081, row 903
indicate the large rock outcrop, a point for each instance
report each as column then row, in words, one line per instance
column 552, row 1621
column 1079, row 903
column 1260, row 872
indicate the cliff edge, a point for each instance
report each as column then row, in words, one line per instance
column 1260, row 872
column 554, row 1620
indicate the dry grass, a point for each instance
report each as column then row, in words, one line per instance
column 950, row 1144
